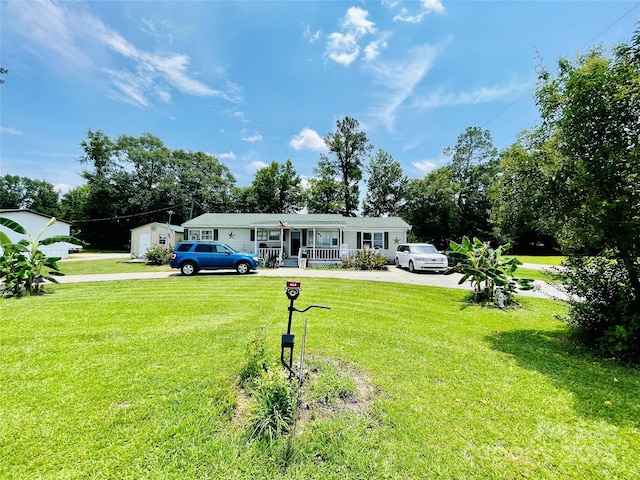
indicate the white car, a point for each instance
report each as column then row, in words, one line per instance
column 420, row 257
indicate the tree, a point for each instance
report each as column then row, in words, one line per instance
column 474, row 167
column 323, row 194
column 277, row 189
column 518, row 197
column 591, row 116
column 431, row 209
column 24, row 192
column 386, row 186
column 3, row 71
column 349, row 147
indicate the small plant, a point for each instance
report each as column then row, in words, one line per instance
column 487, row 270
column 274, row 408
column 256, row 362
column 23, row 266
column 158, row 256
column 365, row 260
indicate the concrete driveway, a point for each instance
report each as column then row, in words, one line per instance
column 393, row 274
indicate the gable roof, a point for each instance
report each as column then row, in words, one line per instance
column 33, row 212
column 293, row 220
column 173, row 228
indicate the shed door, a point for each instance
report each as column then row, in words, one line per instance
column 143, row 244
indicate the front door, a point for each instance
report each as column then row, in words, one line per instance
column 295, row 243
column 144, row 243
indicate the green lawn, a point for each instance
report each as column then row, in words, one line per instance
column 137, row 379
column 113, row 265
column 552, row 260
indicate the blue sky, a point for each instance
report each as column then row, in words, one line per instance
column 253, row 82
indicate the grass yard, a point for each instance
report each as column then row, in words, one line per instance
column 137, row 379
column 112, row 265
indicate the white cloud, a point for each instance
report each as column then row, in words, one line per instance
column 481, row 95
column 225, row 156
column 425, row 166
column 256, row 165
column 399, row 79
column 10, row 131
column 356, row 20
column 426, row 7
column 344, row 47
column 310, row 36
column 71, row 30
column 308, row 139
column 251, row 137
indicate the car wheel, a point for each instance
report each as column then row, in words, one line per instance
column 397, row 262
column 243, row 267
column 188, row 269
column 411, row 268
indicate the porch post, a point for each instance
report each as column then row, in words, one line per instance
column 315, row 240
column 255, row 240
column 281, row 243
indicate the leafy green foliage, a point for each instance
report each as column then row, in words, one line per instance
column 487, row 270
column 386, row 186
column 366, row 259
column 348, row 146
column 601, row 305
column 256, row 360
column 24, row 268
column 158, row 255
column 274, row 407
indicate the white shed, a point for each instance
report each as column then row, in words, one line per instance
column 33, row 222
column 154, row 234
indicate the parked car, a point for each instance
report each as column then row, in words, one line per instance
column 420, row 257
column 192, row 256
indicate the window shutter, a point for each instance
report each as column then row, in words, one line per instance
column 386, row 240
column 359, row 240
column 215, row 234
column 253, row 234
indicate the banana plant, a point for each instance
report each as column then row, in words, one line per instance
column 486, row 269
column 24, row 268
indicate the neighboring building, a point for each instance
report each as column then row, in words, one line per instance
column 321, row 238
column 154, row 234
column 33, row 222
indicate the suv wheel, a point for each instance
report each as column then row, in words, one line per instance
column 397, row 262
column 411, row 269
column 188, row 268
column 243, row 267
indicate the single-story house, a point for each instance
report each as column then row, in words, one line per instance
column 320, row 238
column 154, row 234
column 33, row 222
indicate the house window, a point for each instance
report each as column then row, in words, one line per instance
column 327, row 239
column 375, row 240
column 262, row 235
column 206, row 234
column 274, row 234
column 162, row 239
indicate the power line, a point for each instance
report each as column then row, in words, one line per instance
column 124, row 216
column 585, row 46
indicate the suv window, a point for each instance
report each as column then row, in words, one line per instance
column 204, row 247
column 184, row 247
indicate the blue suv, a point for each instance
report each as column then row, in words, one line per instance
column 191, row 257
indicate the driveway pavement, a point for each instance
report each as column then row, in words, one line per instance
column 393, row 274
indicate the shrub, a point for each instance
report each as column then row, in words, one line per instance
column 158, row 256
column 487, row 270
column 602, row 303
column 365, row 260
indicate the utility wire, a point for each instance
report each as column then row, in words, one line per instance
column 531, row 89
column 124, row 216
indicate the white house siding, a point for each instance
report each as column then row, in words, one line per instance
column 34, row 222
column 153, row 231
